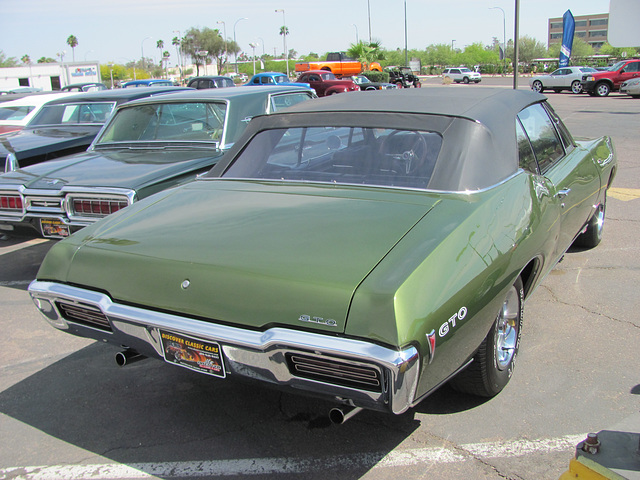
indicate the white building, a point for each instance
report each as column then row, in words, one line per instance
column 49, row 76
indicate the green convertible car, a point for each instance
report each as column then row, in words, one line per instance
column 361, row 248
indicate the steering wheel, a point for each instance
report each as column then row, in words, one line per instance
column 409, row 160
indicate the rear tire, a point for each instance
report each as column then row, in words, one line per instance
column 495, row 359
column 592, row 236
column 536, row 86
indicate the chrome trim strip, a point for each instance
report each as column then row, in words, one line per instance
column 386, row 187
column 255, row 354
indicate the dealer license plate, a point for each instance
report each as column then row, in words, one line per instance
column 192, row 353
column 53, row 228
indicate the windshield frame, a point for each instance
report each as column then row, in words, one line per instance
column 103, row 141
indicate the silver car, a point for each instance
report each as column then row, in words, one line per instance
column 566, row 78
column 631, row 87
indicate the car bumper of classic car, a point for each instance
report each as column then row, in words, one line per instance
column 349, row 371
column 60, row 214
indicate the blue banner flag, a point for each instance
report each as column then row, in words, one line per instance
column 568, row 29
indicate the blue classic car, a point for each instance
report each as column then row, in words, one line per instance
column 148, row 145
column 151, row 82
column 272, row 78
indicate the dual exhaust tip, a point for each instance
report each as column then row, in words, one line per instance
column 127, row 357
column 337, row 415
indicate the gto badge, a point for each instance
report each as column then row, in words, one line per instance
column 319, row 320
column 451, row 323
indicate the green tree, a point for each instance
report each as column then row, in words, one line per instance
column 26, row 59
column 619, row 52
column 440, row 54
column 175, row 41
column 46, row 60
column 7, row 61
column 477, row 54
column 528, row 49
column 72, row 41
column 209, row 40
column 160, row 46
column 579, row 49
column 366, row 52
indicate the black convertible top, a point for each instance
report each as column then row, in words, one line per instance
column 477, row 126
column 474, row 103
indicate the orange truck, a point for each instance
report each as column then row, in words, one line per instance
column 339, row 64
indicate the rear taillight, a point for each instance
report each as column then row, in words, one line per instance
column 96, row 207
column 11, row 203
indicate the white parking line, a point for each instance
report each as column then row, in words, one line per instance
column 274, row 466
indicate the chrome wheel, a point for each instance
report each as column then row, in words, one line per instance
column 506, row 331
column 537, row 86
column 576, row 87
column 592, row 235
column 495, row 359
column 602, row 89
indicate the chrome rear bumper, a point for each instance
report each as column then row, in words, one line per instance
column 259, row 355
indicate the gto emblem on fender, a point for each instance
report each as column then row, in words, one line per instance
column 319, row 320
column 451, row 323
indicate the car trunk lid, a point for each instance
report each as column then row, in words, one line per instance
column 255, row 254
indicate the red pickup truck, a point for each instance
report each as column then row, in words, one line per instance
column 600, row 84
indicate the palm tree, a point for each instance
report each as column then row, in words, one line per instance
column 26, row 59
column 72, row 41
column 366, row 53
column 284, row 31
column 160, row 46
column 176, row 43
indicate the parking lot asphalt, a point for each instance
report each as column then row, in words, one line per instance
column 67, row 411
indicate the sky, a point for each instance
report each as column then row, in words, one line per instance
column 118, row 30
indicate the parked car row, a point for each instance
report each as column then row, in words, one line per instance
column 620, row 77
column 157, row 138
column 365, row 248
column 65, row 124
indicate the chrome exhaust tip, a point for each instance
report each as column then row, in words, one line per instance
column 127, row 357
column 340, row 415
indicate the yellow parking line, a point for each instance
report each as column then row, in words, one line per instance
column 20, row 246
column 624, row 194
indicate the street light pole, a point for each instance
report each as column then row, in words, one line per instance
column 406, row 58
column 516, row 46
column 224, row 29
column 253, row 48
column 504, row 37
column 284, row 34
column 369, row 18
column 142, row 52
column 357, row 39
column 234, row 41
